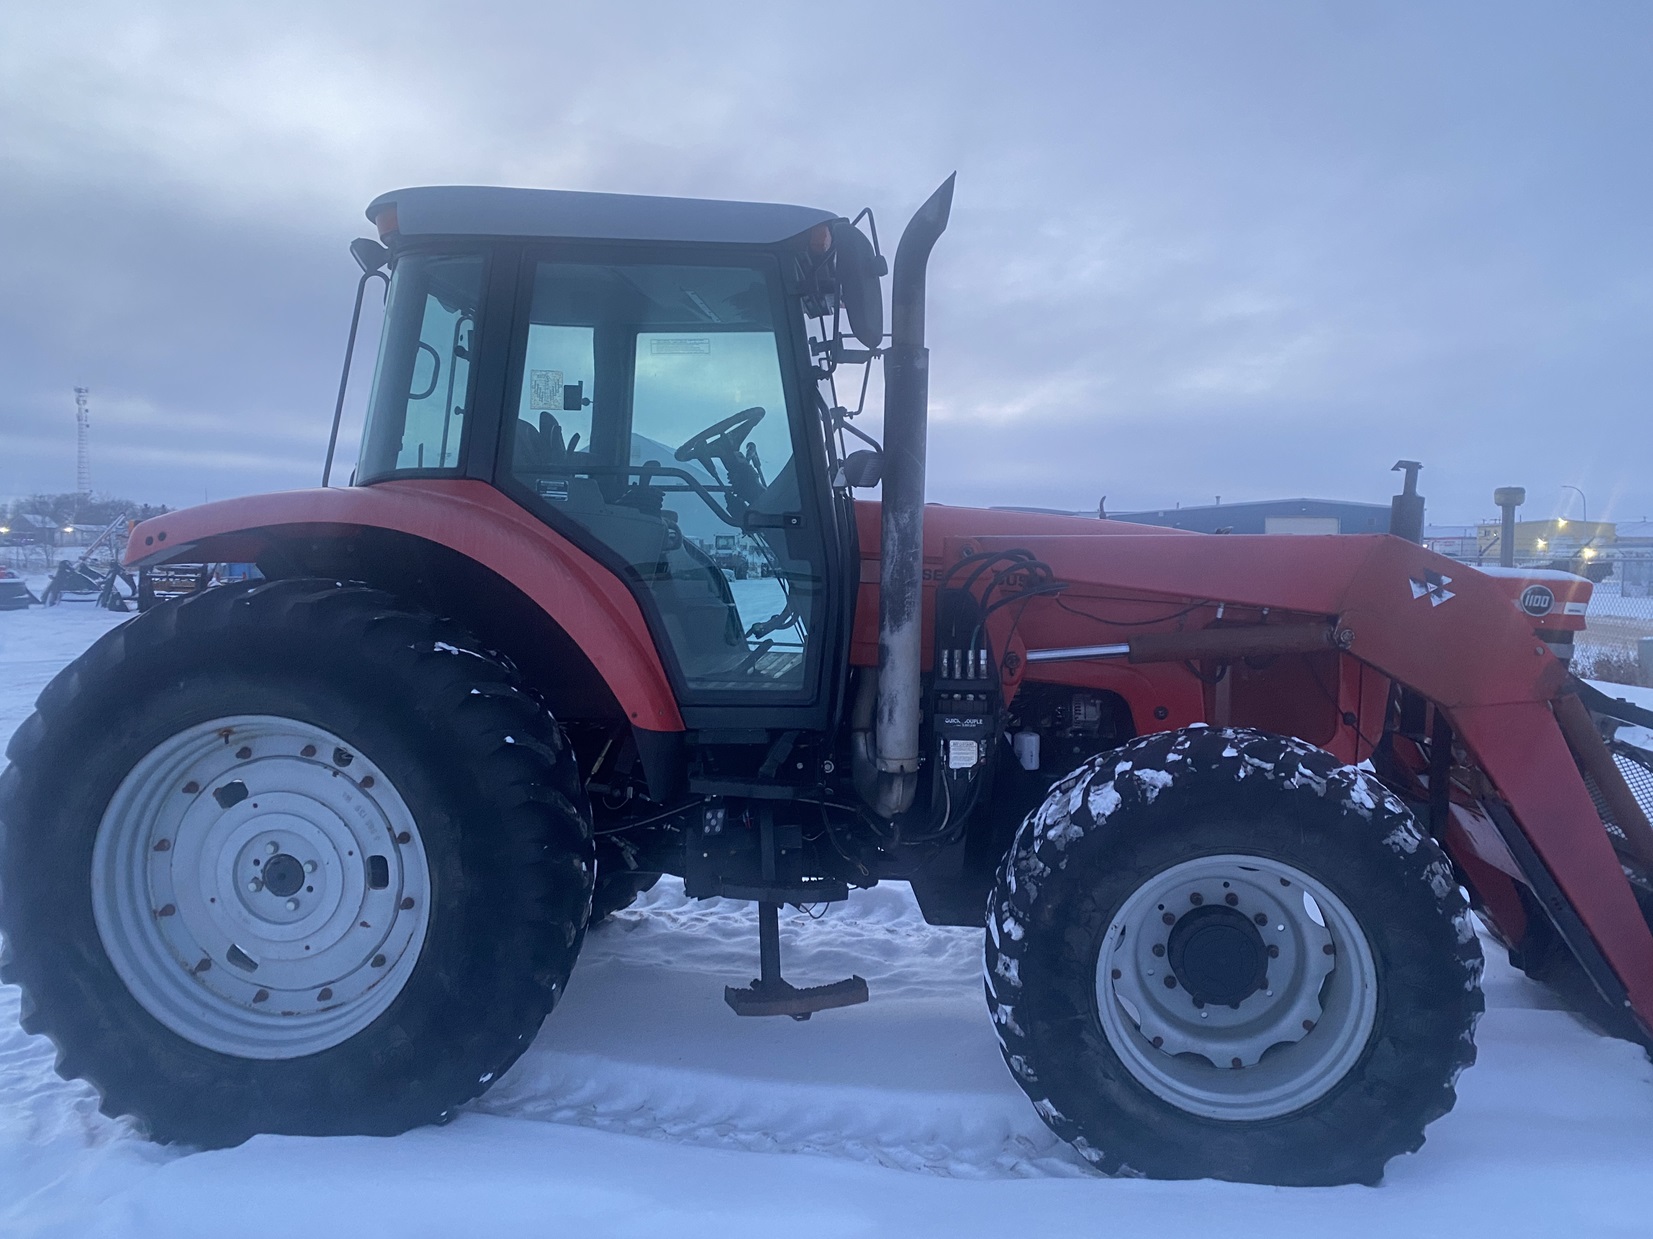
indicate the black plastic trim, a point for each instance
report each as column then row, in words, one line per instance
column 1560, row 910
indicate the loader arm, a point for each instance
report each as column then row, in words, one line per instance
column 1451, row 635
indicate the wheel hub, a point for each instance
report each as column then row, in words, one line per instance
column 1217, row 955
column 283, row 875
column 1235, row 986
column 260, row 886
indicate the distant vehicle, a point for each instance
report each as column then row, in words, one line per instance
column 15, row 593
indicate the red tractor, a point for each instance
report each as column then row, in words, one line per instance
column 315, row 853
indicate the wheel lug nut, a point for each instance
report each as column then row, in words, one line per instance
column 270, row 849
column 1231, row 899
column 292, row 905
column 309, row 866
column 253, row 885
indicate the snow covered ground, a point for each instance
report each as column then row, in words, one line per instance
column 646, row 1108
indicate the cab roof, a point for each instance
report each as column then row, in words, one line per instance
column 477, row 210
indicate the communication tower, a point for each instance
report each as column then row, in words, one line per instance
column 83, row 455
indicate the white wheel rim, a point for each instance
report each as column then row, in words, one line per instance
column 1281, row 1046
column 261, row 887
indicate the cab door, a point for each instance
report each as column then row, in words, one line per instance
column 654, row 415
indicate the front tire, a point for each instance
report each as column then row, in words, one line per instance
column 289, row 857
column 1222, row 954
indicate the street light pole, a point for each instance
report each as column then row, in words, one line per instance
column 1583, row 501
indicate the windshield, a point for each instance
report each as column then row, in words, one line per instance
column 422, row 387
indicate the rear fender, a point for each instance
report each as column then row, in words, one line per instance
column 584, row 598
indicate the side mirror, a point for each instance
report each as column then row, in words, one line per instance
column 370, row 256
column 861, row 470
column 860, row 271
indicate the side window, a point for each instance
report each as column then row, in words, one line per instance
column 421, row 388
column 653, row 412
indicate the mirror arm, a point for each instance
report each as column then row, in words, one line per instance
column 872, row 227
column 344, row 376
column 862, row 435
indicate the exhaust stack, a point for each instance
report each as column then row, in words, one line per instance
column 887, row 775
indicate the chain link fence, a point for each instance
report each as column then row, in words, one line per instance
column 1620, row 620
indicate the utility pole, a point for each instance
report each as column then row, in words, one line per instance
column 83, row 453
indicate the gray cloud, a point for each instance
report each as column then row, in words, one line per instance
column 1240, row 249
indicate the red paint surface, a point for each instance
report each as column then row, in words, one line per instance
column 1473, row 653
column 590, row 603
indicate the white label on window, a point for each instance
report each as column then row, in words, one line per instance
column 681, row 344
column 962, row 754
column 545, row 389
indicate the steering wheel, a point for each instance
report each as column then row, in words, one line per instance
column 721, row 439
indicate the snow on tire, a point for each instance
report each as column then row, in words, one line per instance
column 1219, row 953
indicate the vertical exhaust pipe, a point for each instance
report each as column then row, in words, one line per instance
column 888, row 774
column 1406, row 508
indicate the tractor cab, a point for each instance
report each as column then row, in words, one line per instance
column 641, row 375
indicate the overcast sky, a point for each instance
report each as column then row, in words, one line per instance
column 1255, row 250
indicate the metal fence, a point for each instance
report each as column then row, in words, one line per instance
column 1620, row 619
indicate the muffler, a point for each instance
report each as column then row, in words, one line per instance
column 887, row 762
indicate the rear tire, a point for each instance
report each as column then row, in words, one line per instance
column 206, row 1020
column 1222, row 954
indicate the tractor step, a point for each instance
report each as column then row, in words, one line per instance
column 800, row 1004
column 771, row 994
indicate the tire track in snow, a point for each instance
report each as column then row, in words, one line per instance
column 644, row 1044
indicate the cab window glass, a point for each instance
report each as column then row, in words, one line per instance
column 555, row 407
column 422, row 385
column 653, row 412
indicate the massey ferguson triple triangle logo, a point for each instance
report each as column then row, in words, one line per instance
column 1434, row 585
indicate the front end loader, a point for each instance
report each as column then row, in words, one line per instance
column 316, row 852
